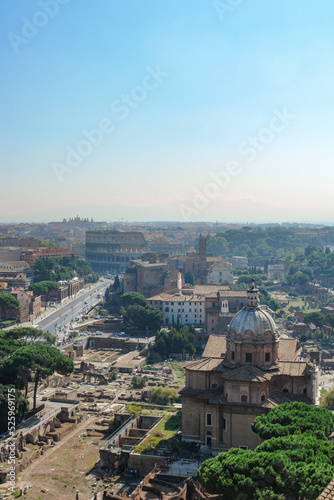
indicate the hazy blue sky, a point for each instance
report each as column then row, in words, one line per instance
column 203, row 84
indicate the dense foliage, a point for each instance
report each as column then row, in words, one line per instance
column 327, row 400
column 29, row 335
column 138, row 382
column 139, row 318
column 295, row 418
column 131, row 298
column 63, row 269
column 297, row 467
column 44, row 288
column 116, row 285
column 176, row 341
column 298, row 463
column 163, row 395
column 8, row 304
column 34, row 363
column 26, row 355
column 189, row 277
column 21, row 406
column 260, row 245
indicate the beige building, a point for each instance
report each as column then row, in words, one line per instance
column 220, row 271
column 240, row 377
column 211, row 306
column 150, row 275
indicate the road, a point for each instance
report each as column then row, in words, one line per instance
column 66, row 313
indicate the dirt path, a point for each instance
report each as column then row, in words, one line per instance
column 64, row 468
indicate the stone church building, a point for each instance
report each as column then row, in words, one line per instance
column 242, row 376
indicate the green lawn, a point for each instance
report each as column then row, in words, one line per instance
column 166, row 430
column 294, row 302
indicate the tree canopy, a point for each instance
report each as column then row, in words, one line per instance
column 36, row 362
column 327, row 399
column 8, row 303
column 44, row 287
column 131, row 298
column 163, row 395
column 63, row 269
column 29, row 335
column 139, row 318
column 316, row 317
column 294, row 418
column 25, row 356
column 20, row 407
column 116, row 285
column 298, row 463
column 189, row 277
column 176, row 341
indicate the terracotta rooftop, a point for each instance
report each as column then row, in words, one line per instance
column 215, row 347
column 249, row 373
column 14, row 263
column 278, row 398
column 233, row 293
column 208, row 289
column 177, row 297
column 204, row 365
column 328, row 493
column 294, row 368
column 288, row 349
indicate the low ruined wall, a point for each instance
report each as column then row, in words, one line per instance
column 145, row 463
column 137, row 433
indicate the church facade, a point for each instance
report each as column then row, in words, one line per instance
column 242, row 376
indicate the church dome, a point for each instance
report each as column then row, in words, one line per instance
column 252, row 320
column 257, row 321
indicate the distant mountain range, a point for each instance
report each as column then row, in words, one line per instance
column 222, row 211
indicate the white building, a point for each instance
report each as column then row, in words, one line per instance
column 239, row 262
column 189, row 308
column 220, row 271
column 14, row 265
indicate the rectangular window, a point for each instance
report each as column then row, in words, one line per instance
column 244, row 399
column 224, row 425
column 243, row 447
column 267, row 357
column 208, row 419
column 249, row 357
column 232, row 355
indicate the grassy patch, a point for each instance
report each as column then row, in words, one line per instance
column 164, row 433
column 179, row 372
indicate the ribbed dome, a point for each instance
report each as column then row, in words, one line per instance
column 254, row 320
